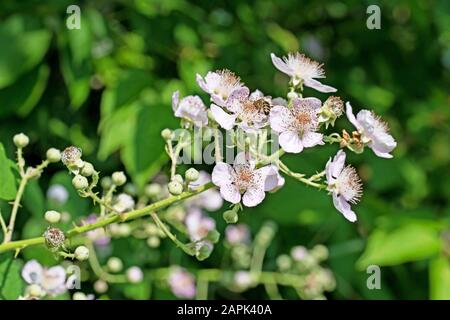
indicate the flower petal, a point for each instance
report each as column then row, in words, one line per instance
column 383, row 146
column 273, row 180
column 311, row 139
column 253, row 196
column 243, row 158
column 334, row 167
column 224, row 119
column 280, row 65
column 344, row 207
column 175, row 100
column 312, row 83
column 311, row 101
column 290, row 142
column 32, row 272
column 230, row 193
column 54, row 280
column 351, row 116
column 201, row 83
column 222, row 174
column 239, row 94
column 280, row 118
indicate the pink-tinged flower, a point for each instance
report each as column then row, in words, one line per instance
column 191, row 108
column 237, row 234
column 241, row 179
column 223, row 86
column 298, row 253
column 52, row 281
column 274, row 179
column 198, row 225
column 98, row 236
column 344, row 185
column 123, row 203
column 302, row 70
column 373, row 130
column 297, row 126
column 248, row 112
column 210, row 199
column 182, row 283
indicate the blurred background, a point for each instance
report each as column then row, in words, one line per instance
column 107, row 89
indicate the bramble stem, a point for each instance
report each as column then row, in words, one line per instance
column 99, row 271
column 109, row 219
column 15, row 209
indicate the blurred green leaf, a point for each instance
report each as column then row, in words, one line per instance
column 7, row 180
column 33, row 199
column 440, row 278
column 410, row 242
column 11, row 283
column 138, row 291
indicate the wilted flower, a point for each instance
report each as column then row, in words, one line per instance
column 71, row 157
column 209, row 199
column 223, row 86
column 237, row 234
column 297, row 126
column 344, row 185
column 191, row 108
column 303, row 70
column 198, row 225
column 373, row 130
column 241, row 179
column 249, row 113
column 182, row 283
column 52, row 281
column 331, row 110
column 57, row 193
column 54, row 238
column 123, row 203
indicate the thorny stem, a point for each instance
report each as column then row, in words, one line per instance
column 301, row 177
column 3, row 224
column 15, row 208
column 109, row 219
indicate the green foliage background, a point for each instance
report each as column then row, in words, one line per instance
column 107, row 89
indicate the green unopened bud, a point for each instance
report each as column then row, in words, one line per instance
column 213, row 236
column 204, row 252
column 175, row 188
column 178, row 178
column 35, row 291
column 167, row 134
column 88, row 169
column 320, row 252
column 52, row 216
column 284, row 262
column 153, row 190
column 119, row 178
column 100, row 286
column 21, row 140
column 106, row 183
column 53, row 155
column 130, row 189
column 230, row 216
column 191, row 175
column 153, row 242
column 81, row 253
column 114, row 264
column 80, row 182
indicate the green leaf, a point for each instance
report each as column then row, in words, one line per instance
column 33, row 199
column 11, row 283
column 7, row 180
column 23, row 47
column 440, row 278
column 410, row 242
column 139, row 291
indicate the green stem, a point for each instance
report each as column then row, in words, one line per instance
column 99, row 271
column 299, row 176
column 15, row 209
column 3, row 224
column 109, row 219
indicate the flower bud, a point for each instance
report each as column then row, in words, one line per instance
column 175, row 188
column 53, row 155
column 331, row 110
column 79, row 296
column 204, row 252
column 178, row 178
column 320, row 252
column 54, row 238
column 106, row 182
column 130, row 189
column 71, row 156
column 35, row 291
column 100, row 286
column 284, row 262
column 230, row 216
column 81, row 253
column 88, row 169
column 119, row 178
column 292, row 95
column 80, row 182
column 153, row 242
column 52, row 216
column 114, row 264
column 167, row 134
column 135, row 275
column 21, row 140
column 213, row 236
column 191, row 175
column 153, row 190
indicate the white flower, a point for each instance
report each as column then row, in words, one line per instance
column 374, row 131
column 182, row 283
column 242, row 179
column 223, row 86
column 237, row 234
column 123, row 203
column 297, row 126
column 191, row 108
column 248, row 112
column 274, row 180
column 52, row 281
column 210, row 199
column 58, row 194
column 198, row 225
column 302, row 69
column 344, row 185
